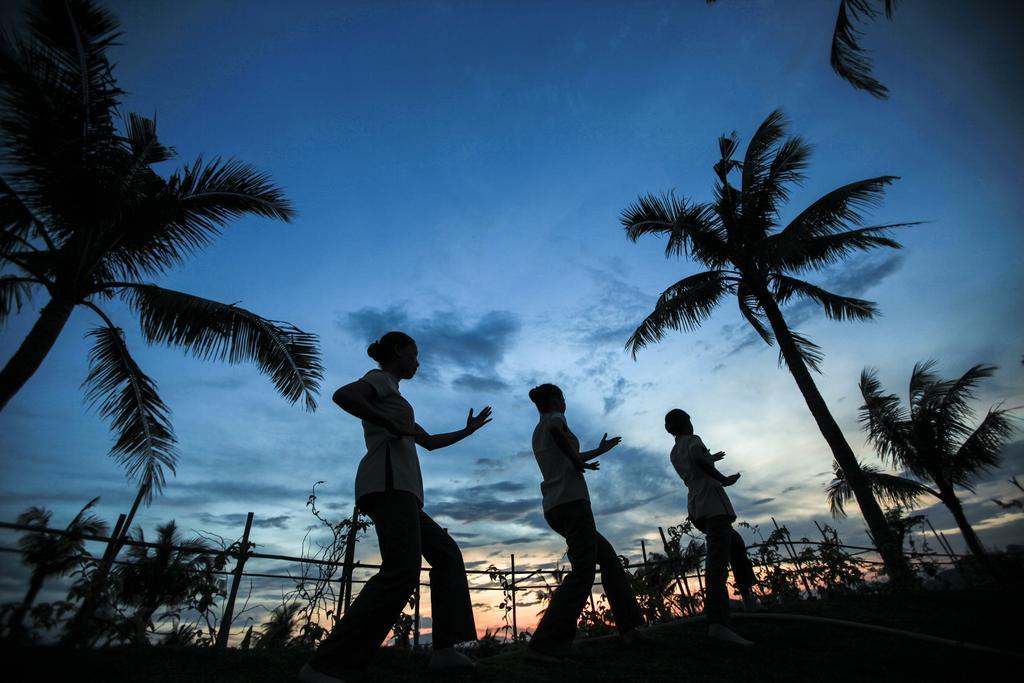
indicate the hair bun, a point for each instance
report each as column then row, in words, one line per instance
column 373, row 351
column 533, row 394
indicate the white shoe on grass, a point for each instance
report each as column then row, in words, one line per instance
column 449, row 658
column 310, row 675
column 727, row 635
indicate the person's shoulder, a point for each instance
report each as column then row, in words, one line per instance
column 382, row 382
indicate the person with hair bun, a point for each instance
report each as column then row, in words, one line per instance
column 389, row 488
column 567, row 511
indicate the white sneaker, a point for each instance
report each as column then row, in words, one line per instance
column 727, row 635
column 310, row 675
column 449, row 658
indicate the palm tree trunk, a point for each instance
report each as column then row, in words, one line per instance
column 29, row 356
column 892, row 554
column 34, row 585
column 952, row 503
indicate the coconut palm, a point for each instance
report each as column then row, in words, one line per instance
column 172, row 574
column 933, row 441
column 737, row 237
column 86, row 219
column 52, row 554
column 276, row 632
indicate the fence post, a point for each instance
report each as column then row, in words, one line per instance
column 416, row 619
column 350, row 556
column 515, row 627
column 679, row 584
column 229, row 607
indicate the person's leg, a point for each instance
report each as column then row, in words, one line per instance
column 450, row 604
column 716, row 571
column 718, row 532
column 742, row 570
column 557, row 628
column 625, row 609
column 355, row 639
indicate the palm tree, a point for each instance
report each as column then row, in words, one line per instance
column 52, row 554
column 932, row 441
column 276, row 632
column 174, row 573
column 85, row 217
column 736, row 237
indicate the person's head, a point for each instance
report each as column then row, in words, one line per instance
column 396, row 352
column 548, row 398
column 677, row 422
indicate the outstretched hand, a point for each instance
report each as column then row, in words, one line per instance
column 475, row 422
column 731, row 479
column 718, row 456
column 582, row 465
column 608, row 444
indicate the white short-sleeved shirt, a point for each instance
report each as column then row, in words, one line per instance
column 562, row 481
column 382, row 444
column 706, row 497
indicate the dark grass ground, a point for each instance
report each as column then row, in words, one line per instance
column 785, row 651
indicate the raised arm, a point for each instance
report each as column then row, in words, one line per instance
column 434, row 441
column 705, row 461
column 356, row 399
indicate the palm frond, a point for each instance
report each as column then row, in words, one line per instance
column 887, row 424
column 954, row 410
column 77, row 34
column 187, row 214
column 128, row 397
column 727, row 145
column 923, row 381
column 835, row 306
column 210, row 329
column 809, row 352
column 849, row 60
column 982, row 450
column 838, row 210
column 887, row 488
column 691, row 229
column 14, row 292
column 144, row 146
column 751, row 310
column 18, row 224
column 683, row 306
column 57, row 98
column 788, row 252
column 771, row 165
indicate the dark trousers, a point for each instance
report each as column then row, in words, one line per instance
column 404, row 533
column 725, row 547
column 587, row 548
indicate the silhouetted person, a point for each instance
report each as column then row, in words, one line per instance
column 389, row 488
column 567, row 511
column 711, row 512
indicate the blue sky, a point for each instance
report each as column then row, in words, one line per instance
column 459, row 169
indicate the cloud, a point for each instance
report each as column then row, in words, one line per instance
column 760, row 501
column 445, row 339
column 478, row 510
column 233, row 520
column 613, row 315
column 468, row 382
